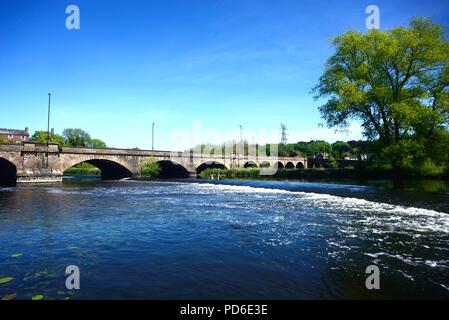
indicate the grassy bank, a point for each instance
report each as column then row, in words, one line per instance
column 316, row 174
column 150, row 169
column 83, row 169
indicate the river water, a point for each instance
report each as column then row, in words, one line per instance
column 222, row 240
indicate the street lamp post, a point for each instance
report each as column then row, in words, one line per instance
column 48, row 120
column 241, row 144
column 152, row 137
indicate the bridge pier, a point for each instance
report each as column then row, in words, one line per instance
column 192, row 174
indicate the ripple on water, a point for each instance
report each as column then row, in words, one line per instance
column 170, row 227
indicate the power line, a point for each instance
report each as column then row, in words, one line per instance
column 283, row 133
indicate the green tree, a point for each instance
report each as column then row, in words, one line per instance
column 41, row 138
column 395, row 82
column 316, row 147
column 4, row 140
column 97, row 143
column 341, row 149
column 76, row 137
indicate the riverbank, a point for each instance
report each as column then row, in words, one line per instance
column 83, row 169
column 82, row 172
column 316, row 174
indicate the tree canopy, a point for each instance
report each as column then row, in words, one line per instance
column 96, row 143
column 4, row 140
column 338, row 150
column 76, row 137
column 69, row 137
column 41, row 137
column 341, row 149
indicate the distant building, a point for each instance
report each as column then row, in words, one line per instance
column 322, row 155
column 15, row 135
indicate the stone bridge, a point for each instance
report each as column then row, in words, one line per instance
column 34, row 162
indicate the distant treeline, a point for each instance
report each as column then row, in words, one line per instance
column 357, row 173
column 70, row 138
column 336, row 150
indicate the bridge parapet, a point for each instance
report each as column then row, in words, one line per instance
column 114, row 151
column 11, row 147
column 30, row 147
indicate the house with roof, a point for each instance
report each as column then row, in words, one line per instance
column 14, row 135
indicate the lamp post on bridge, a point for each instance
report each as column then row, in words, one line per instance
column 242, row 148
column 152, row 137
column 48, row 120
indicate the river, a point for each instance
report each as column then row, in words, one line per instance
column 223, row 240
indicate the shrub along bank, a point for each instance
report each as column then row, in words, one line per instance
column 318, row 173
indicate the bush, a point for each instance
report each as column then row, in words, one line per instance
column 150, row 168
column 4, row 141
column 430, row 169
column 404, row 154
column 427, row 170
column 83, row 169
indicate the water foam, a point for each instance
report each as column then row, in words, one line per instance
column 375, row 213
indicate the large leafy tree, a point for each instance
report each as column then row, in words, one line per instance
column 76, row 137
column 97, row 143
column 312, row 148
column 70, row 137
column 395, row 82
column 41, row 137
column 341, row 149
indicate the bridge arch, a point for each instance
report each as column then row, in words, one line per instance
column 171, row 169
column 289, row 165
column 8, row 172
column 110, row 170
column 250, row 164
column 300, row 165
column 210, row 165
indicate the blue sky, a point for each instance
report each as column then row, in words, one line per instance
column 180, row 64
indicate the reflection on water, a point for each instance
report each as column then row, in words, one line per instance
column 231, row 240
column 417, row 185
